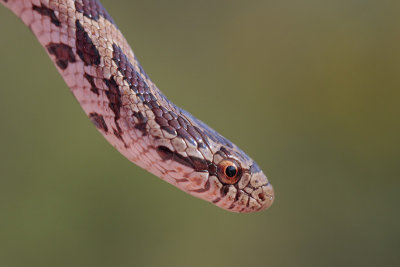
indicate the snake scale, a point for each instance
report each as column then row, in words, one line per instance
column 128, row 109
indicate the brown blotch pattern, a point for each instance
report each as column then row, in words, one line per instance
column 202, row 190
column 114, row 98
column 85, row 48
column 198, row 164
column 93, row 10
column 63, row 54
column 216, row 200
column 93, row 87
column 45, row 11
column 166, row 154
column 119, row 136
column 141, row 124
column 98, row 121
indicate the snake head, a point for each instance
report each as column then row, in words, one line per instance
column 238, row 184
column 216, row 170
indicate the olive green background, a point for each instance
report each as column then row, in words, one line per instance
column 309, row 89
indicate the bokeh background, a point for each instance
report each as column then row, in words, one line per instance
column 310, row 89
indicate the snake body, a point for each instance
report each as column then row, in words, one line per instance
column 128, row 109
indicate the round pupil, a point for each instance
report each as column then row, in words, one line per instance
column 230, row 171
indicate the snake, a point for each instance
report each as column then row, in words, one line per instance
column 133, row 115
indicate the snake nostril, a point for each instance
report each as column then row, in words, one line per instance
column 261, row 196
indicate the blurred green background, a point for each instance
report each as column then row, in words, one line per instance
column 309, row 89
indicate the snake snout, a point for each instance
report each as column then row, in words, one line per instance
column 266, row 196
column 263, row 192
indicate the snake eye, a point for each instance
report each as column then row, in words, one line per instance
column 228, row 172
